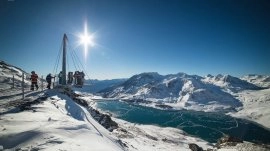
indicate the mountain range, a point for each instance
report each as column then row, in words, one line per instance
column 185, row 91
column 208, row 93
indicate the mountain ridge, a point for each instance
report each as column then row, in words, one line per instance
column 182, row 89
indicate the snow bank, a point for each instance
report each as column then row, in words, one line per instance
column 56, row 124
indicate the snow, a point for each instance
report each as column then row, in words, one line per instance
column 57, row 123
column 183, row 91
column 60, row 124
column 242, row 98
column 229, row 83
column 256, row 106
column 259, row 80
column 246, row 146
column 150, row 137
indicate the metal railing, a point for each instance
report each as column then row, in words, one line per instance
column 23, row 84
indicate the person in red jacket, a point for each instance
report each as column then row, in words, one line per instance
column 34, row 78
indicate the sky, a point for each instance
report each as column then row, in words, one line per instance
column 134, row 36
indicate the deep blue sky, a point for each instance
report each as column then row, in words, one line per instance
column 134, row 36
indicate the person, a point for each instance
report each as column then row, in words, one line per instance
column 82, row 78
column 70, row 77
column 76, row 77
column 49, row 78
column 34, row 78
column 60, row 77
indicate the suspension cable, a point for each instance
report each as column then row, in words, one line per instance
column 68, row 67
column 57, row 60
column 81, row 65
column 73, row 59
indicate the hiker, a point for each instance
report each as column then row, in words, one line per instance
column 82, row 78
column 49, row 80
column 76, row 77
column 70, row 77
column 34, row 78
column 60, row 77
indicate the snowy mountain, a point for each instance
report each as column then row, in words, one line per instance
column 230, row 83
column 183, row 90
column 259, row 80
column 55, row 121
column 51, row 120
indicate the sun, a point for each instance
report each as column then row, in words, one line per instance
column 86, row 40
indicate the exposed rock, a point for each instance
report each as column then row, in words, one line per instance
column 151, row 137
column 103, row 119
column 195, row 147
column 163, row 106
column 122, row 143
column 169, row 140
column 228, row 141
column 106, row 121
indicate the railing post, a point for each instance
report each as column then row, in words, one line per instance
column 23, row 86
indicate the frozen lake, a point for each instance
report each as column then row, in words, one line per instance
column 208, row 126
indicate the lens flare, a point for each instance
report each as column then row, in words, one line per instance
column 86, row 40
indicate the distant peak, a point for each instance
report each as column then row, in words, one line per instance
column 148, row 74
column 209, row 75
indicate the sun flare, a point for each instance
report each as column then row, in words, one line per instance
column 86, row 40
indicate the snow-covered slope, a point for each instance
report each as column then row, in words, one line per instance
column 7, row 72
column 259, row 80
column 154, row 138
column 183, row 90
column 230, row 83
column 56, row 123
column 6, row 76
column 256, row 106
column 9, row 90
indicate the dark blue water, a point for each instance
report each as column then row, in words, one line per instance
column 208, row 126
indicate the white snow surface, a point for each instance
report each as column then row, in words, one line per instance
column 259, row 80
column 151, row 137
column 56, row 124
column 256, row 106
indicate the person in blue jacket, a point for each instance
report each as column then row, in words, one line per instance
column 49, row 80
